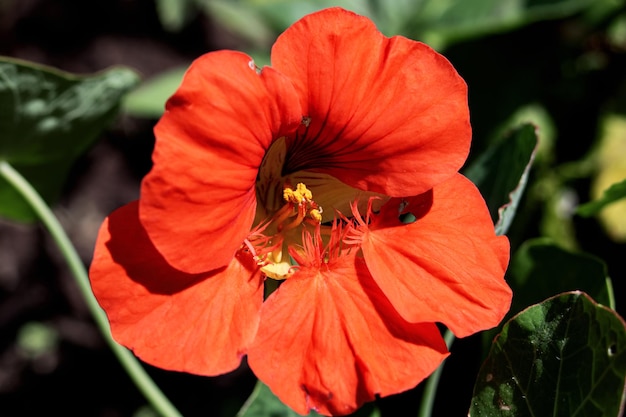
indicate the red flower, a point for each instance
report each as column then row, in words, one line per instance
column 314, row 159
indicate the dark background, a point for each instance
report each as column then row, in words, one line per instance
column 78, row 375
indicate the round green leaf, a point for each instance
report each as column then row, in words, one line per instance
column 48, row 118
column 563, row 357
column 539, row 269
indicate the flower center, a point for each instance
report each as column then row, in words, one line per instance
column 269, row 242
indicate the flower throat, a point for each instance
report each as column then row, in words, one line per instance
column 271, row 252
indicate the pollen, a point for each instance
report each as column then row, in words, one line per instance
column 316, row 214
column 302, row 200
column 298, row 196
column 280, row 234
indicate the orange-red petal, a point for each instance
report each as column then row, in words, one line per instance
column 202, row 324
column 448, row 266
column 388, row 115
column 198, row 202
column 329, row 340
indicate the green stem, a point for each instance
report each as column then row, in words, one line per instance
column 430, row 390
column 137, row 373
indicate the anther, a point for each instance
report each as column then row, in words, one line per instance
column 316, row 214
column 304, row 192
column 298, row 196
column 268, row 251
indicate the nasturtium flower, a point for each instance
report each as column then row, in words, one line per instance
column 332, row 175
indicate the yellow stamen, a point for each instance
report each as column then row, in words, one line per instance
column 299, row 208
column 316, row 215
column 304, row 192
column 298, row 196
column 290, row 195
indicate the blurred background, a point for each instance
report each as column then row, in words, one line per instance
column 560, row 64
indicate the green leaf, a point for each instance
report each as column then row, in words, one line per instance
column 280, row 14
column 263, row 402
column 392, row 17
column 501, row 174
column 241, row 20
column 35, row 339
column 148, row 100
column 539, row 269
column 537, row 115
column 441, row 22
column 610, row 169
column 47, row 119
column 174, row 14
column 564, row 357
column 615, row 192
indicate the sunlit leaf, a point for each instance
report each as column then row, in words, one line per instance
column 148, row 100
column 615, row 192
column 537, row 115
column 47, row 119
column 540, row 268
column 616, row 33
column 611, row 170
column 564, row 357
column 501, row 174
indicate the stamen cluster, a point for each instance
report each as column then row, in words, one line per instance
column 269, row 249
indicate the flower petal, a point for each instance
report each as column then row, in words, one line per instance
column 448, row 265
column 198, row 202
column 381, row 109
column 329, row 341
column 200, row 323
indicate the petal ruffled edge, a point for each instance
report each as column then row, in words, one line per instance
column 448, row 265
column 381, row 109
column 329, row 340
column 201, row 324
column 198, row 202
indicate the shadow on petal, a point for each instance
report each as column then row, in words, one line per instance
column 131, row 248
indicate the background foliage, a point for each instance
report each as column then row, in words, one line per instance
column 558, row 64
